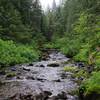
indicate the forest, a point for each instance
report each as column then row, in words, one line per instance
column 72, row 28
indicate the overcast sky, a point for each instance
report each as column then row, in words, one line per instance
column 45, row 3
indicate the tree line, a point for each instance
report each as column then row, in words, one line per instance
column 20, row 20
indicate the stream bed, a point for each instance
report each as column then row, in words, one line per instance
column 43, row 80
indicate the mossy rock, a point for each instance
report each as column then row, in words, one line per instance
column 53, row 65
column 70, row 69
column 10, row 75
column 81, row 73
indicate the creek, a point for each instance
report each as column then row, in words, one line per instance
column 43, row 80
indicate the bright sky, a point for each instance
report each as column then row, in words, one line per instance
column 45, row 3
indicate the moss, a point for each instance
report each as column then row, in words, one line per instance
column 10, row 74
column 70, row 69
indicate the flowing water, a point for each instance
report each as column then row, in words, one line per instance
column 44, row 80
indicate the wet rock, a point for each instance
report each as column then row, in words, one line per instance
column 63, row 75
column 2, row 72
column 35, row 72
column 19, row 77
column 10, row 75
column 20, row 96
column 76, row 71
column 26, row 97
column 53, row 65
column 1, row 83
column 19, row 73
column 81, row 78
column 37, row 66
column 70, row 97
column 90, row 69
column 30, row 64
column 57, row 80
column 44, row 56
column 80, row 64
column 62, row 96
column 26, row 69
column 66, row 75
column 40, row 79
column 46, row 94
column 42, row 66
column 13, row 69
column 30, row 78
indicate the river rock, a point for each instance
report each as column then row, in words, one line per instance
column 57, row 80
column 2, row 72
column 42, row 66
column 30, row 64
column 80, row 65
column 13, row 69
column 62, row 96
column 53, row 65
column 26, row 69
column 19, row 77
column 30, row 77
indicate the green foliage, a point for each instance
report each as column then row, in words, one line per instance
column 20, row 20
column 49, row 45
column 11, row 53
column 97, row 61
column 70, row 69
column 81, row 73
column 83, row 54
column 66, row 46
column 93, row 84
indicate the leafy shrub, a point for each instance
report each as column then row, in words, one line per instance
column 11, row 53
column 66, row 46
column 83, row 54
column 93, row 83
column 97, row 61
column 49, row 45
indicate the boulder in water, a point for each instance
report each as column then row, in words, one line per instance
column 26, row 69
column 42, row 66
column 13, row 69
column 53, row 65
column 30, row 78
column 2, row 72
column 30, row 64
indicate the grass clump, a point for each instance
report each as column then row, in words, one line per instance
column 70, row 69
